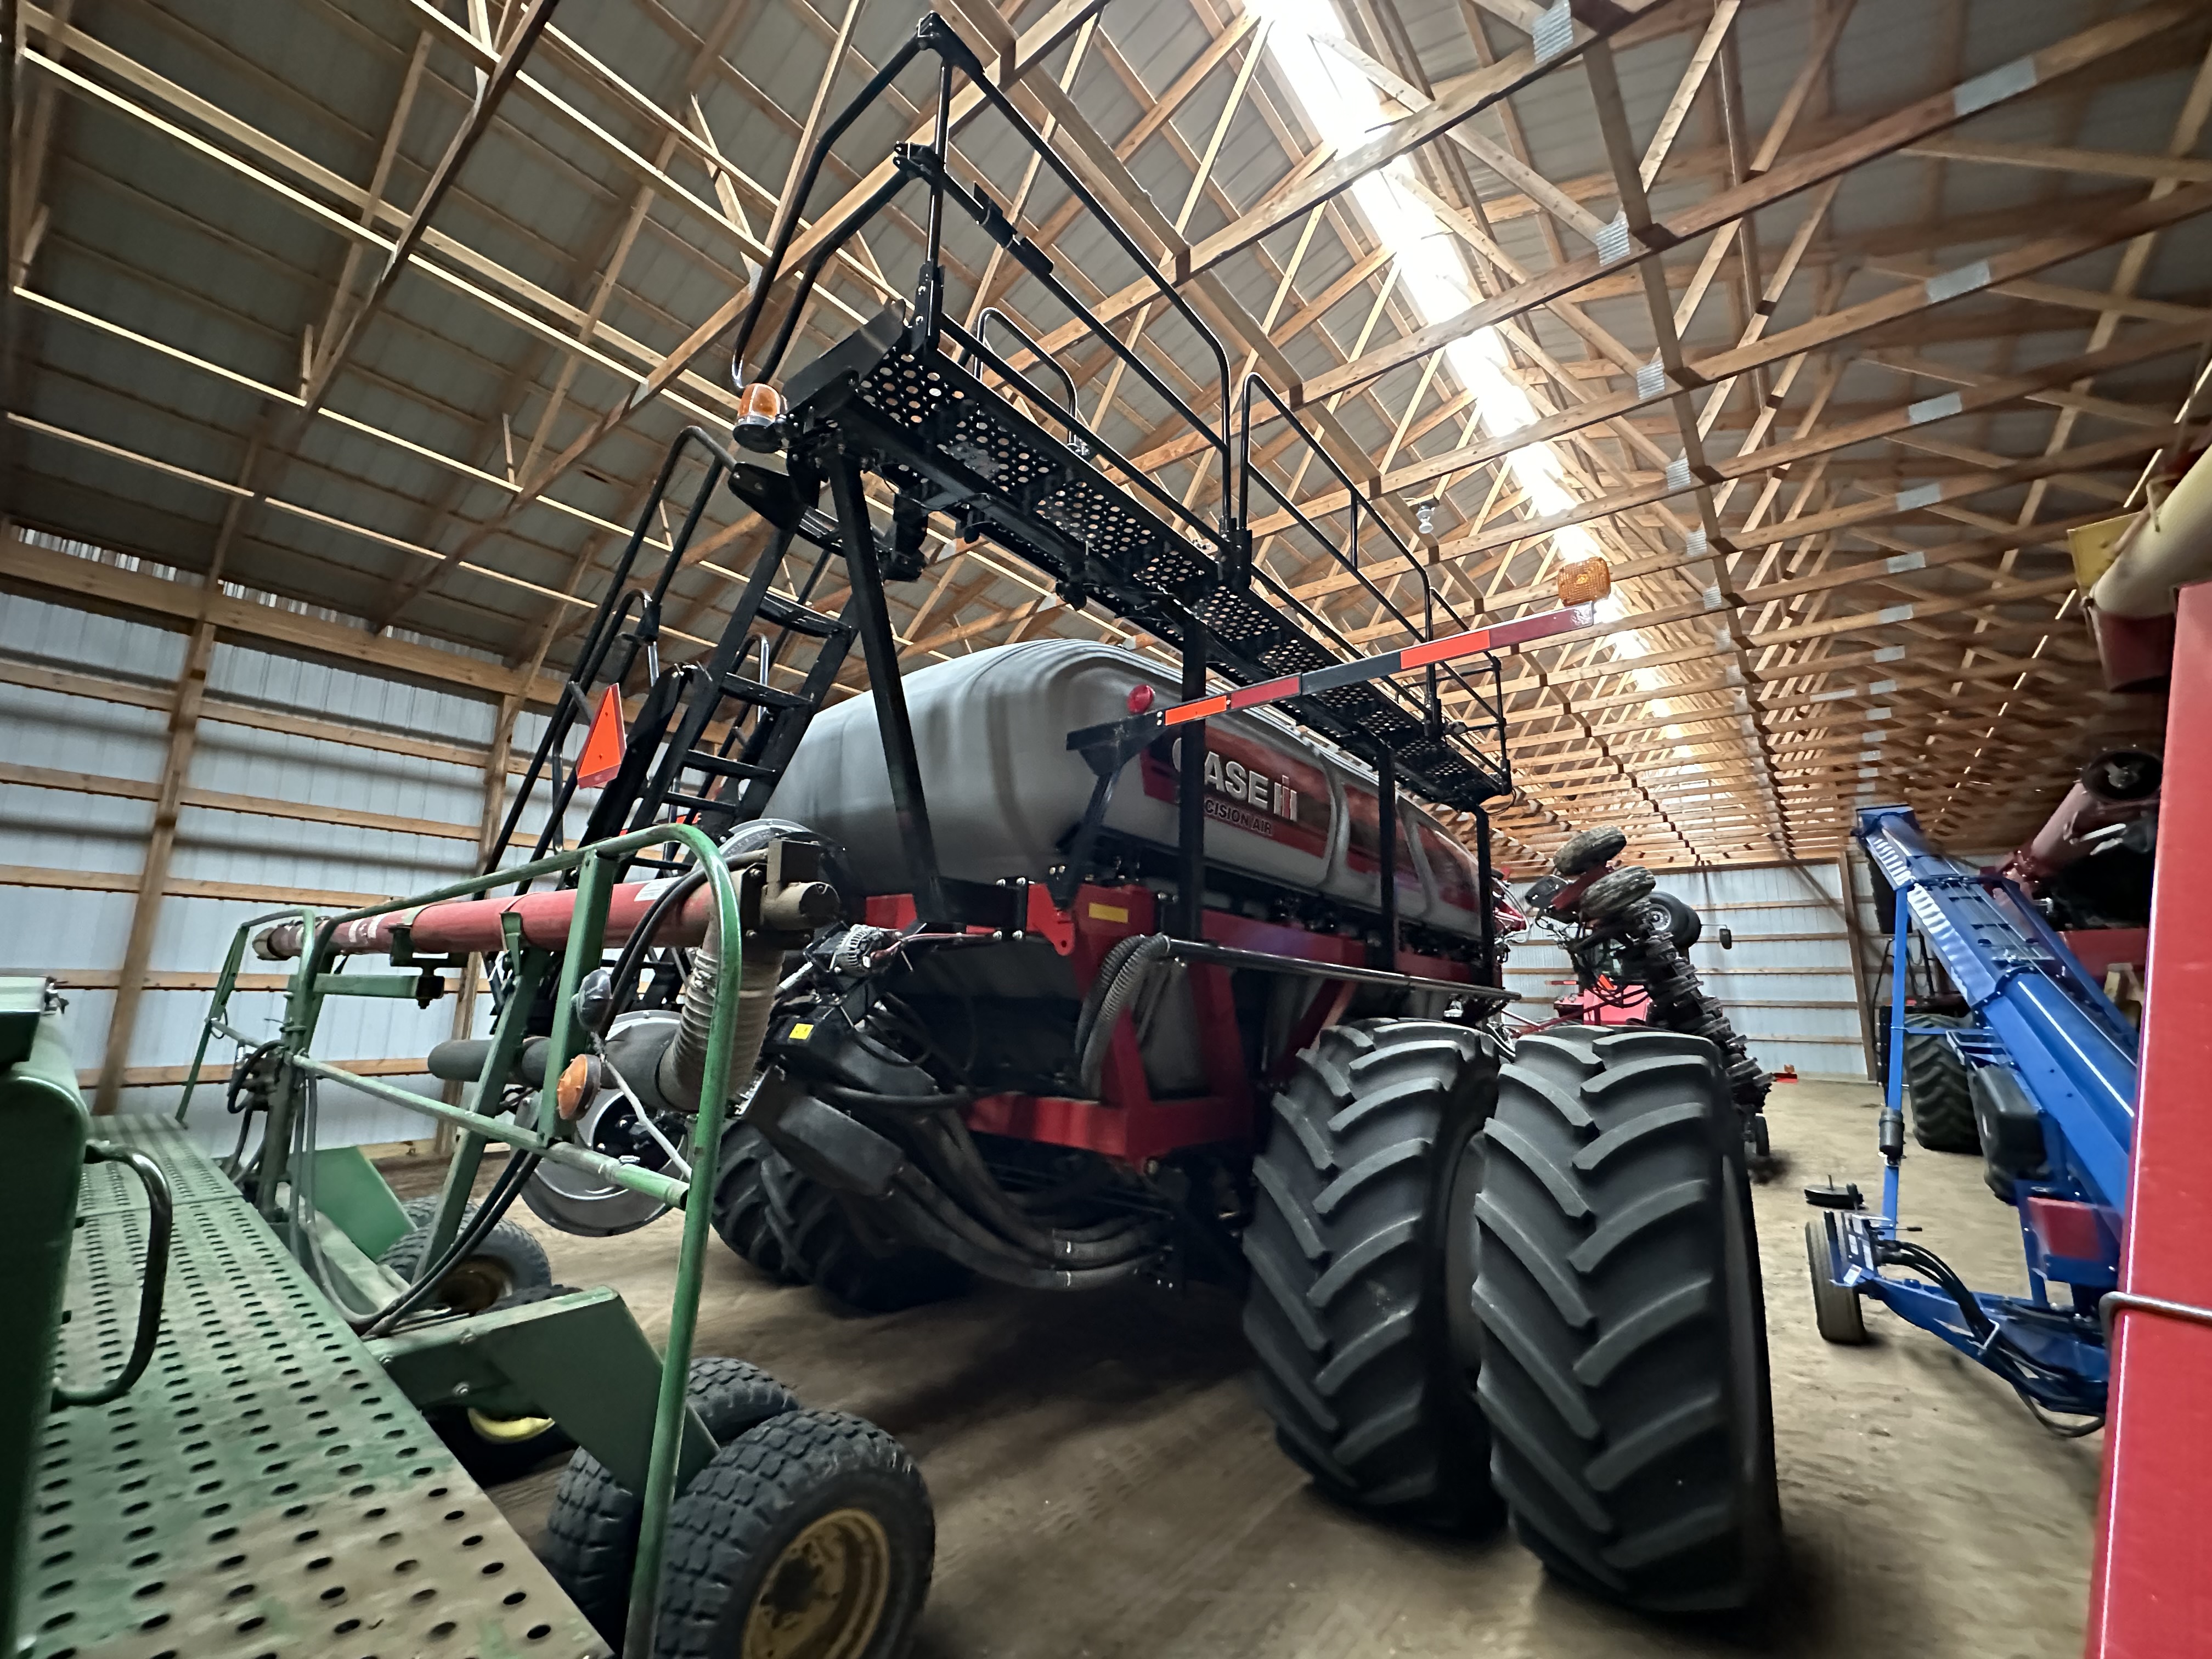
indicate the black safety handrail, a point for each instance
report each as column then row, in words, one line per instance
column 1346, row 558
column 928, row 163
column 991, row 315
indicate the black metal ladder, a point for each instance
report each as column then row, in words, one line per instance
column 710, row 739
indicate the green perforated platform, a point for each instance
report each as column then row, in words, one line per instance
column 264, row 1491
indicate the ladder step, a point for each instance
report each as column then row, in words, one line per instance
column 721, row 766
column 787, row 613
column 767, row 696
column 677, row 797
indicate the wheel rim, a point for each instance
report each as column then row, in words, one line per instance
column 823, row 1597
column 507, row 1431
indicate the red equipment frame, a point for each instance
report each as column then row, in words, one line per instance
column 2151, row 1597
column 1127, row 1123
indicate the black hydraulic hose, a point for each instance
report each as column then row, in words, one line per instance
column 1128, row 981
column 488, row 1214
column 2004, row 1356
column 1109, row 968
column 641, row 940
column 964, row 1171
column 838, row 1094
column 160, row 1230
column 1906, row 1254
column 921, row 1224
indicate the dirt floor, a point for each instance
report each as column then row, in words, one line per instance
column 1106, row 1485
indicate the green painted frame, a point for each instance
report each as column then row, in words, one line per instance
column 312, row 983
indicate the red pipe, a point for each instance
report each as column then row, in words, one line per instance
column 457, row 926
column 2113, row 788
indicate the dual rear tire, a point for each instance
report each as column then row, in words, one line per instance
column 1529, row 1289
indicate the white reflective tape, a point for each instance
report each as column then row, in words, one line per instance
column 1870, row 754
column 1908, row 500
column 1881, row 686
column 1895, row 613
column 1904, row 562
column 1651, row 378
column 2005, row 81
column 1678, row 474
column 1693, row 543
column 1950, row 284
column 1932, row 408
column 1834, row 696
column 1712, row 596
column 1733, row 673
column 1889, row 654
column 1882, row 713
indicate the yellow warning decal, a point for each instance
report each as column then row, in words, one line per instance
column 800, row 1033
column 1109, row 913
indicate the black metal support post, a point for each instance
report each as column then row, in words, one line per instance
column 1386, row 829
column 880, row 650
column 1190, row 794
column 1485, row 908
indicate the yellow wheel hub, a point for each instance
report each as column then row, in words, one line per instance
column 823, row 1597
column 507, row 1431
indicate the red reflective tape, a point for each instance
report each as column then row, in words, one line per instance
column 1267, row 692
column 1194, row 711
column 1452, row 645
column 1540, row 627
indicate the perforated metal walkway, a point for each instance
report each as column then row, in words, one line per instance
column 263, row 1491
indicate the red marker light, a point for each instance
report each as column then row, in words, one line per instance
column 1141, row 698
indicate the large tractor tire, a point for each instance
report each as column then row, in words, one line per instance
column 1625, row 1373
column 1361, row 1247
column 1935, row 1085
column 798, row 1232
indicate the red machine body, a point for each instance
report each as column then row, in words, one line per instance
column 1127, row 1123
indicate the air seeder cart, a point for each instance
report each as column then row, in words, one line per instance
column 1067, row 972
column 1140, row 975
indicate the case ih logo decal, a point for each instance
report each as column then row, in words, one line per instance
column 1250, row 787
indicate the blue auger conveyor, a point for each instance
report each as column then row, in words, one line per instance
column 2049, row 1067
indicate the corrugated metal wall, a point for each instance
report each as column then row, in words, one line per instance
column 1787, row 982
column 46, row 832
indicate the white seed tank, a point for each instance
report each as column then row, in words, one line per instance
column 1005, row 791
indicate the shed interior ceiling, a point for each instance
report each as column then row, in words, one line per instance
column 1936, row 269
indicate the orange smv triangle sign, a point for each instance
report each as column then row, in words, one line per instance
column 603, row 745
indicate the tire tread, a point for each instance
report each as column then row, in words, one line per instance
column 1626, row 1379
